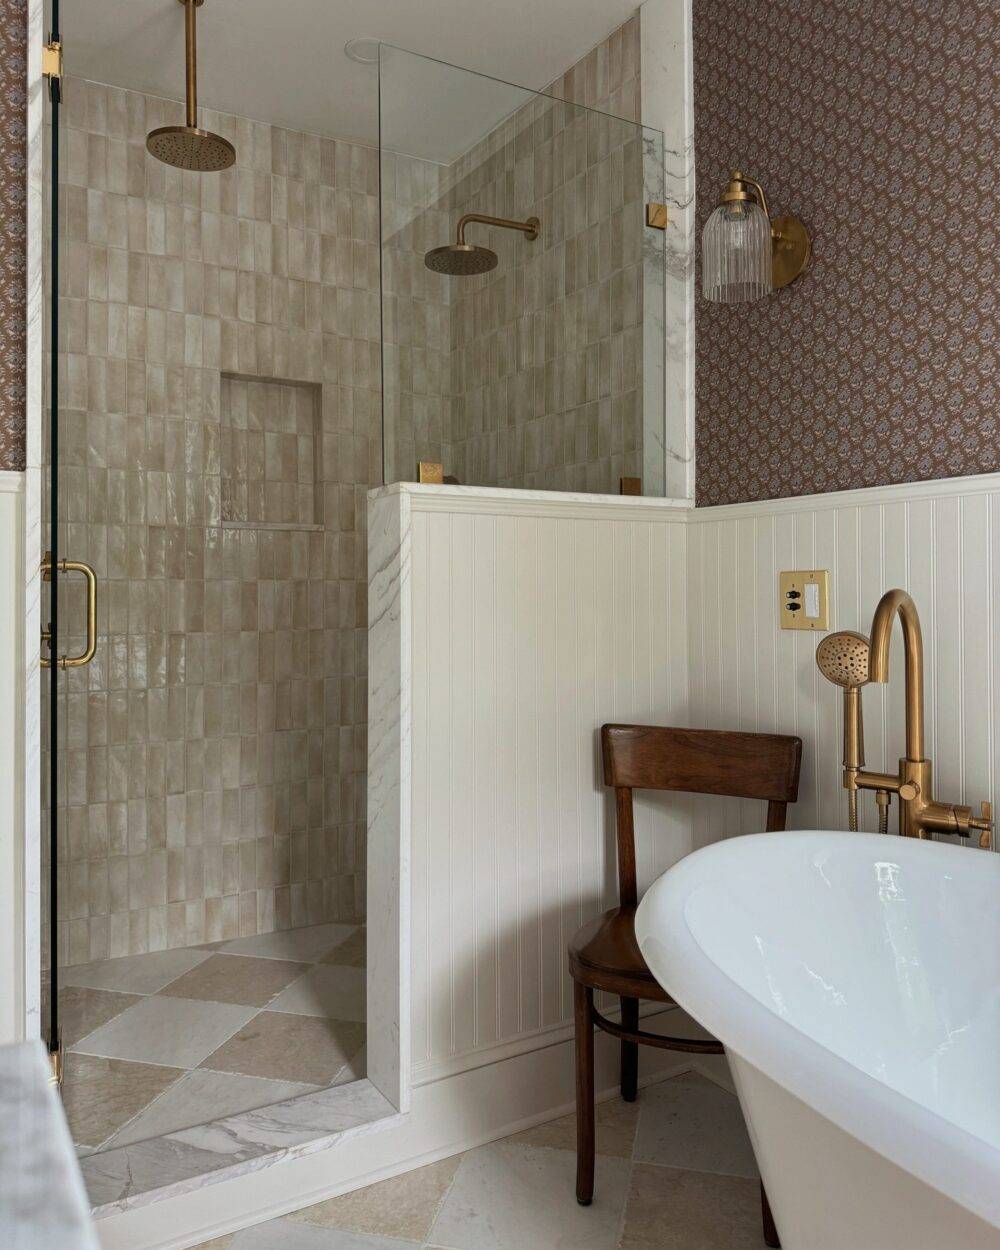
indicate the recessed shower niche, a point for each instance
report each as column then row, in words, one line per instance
column 271, row 446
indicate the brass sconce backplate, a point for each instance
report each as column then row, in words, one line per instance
column 791, row 250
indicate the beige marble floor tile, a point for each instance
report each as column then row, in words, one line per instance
column 236, row 979
column 671, row 1209
column 134, row 974
column 202, row 1095
column 289, row 1048
column 510, row 1197
column 81, row 1010
column 308, row 945
column 179, row 1032
column 690, row 1122
column 403, row 1206
column 217, row 1243
column 325, row 990
column 285, row 1234
column 616, row 1126
column 350, row 953
column 101, row 1095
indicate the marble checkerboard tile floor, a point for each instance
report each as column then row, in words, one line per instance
column 675, row 1171
column 166, row 1040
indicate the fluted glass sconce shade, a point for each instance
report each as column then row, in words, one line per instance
column 736, row 254
column 745, row 254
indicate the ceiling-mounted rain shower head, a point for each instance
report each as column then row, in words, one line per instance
column 188, row 146
column 461, row 259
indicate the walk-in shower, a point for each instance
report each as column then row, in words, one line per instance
column 254, row 324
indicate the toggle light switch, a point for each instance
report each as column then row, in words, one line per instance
column 804, row 599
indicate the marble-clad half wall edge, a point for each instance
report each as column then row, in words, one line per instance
column 668, row 105
column 388, row 886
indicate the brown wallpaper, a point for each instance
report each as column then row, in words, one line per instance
column 877, row 125
column 13, row 150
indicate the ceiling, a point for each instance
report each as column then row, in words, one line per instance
column 283, row 61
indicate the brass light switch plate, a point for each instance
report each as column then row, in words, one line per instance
column 804, row 599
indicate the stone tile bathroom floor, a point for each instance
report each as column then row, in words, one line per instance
column 675, row 1171
column 164, row 1041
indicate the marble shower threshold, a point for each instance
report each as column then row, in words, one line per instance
column 193, row 1158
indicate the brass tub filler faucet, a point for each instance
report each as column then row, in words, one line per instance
column 850, row 660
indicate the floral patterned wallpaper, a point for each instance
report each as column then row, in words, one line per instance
column 13, row 153
column 877, row 125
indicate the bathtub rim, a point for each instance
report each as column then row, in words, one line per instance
column 939, row 1152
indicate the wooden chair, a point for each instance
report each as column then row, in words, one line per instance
column 604, row 954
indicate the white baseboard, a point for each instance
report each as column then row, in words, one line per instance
column 447, row 1116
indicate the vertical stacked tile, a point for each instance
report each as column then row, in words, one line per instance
column 220, row 429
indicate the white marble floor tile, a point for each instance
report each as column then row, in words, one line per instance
column 689, row 1122
column 508, row 1197
column 328, row 990
column 135, row 974
column 176, row 1031
column 288, row 1235
column 201, row 1096
column 309, row 944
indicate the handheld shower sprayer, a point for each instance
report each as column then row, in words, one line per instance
column 843, row 658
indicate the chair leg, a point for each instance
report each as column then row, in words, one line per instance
column 630, row 1051
column 583, row 1003
column 770, row 1232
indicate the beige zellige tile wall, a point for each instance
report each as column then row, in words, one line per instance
column 216, row 328
column 529, row 376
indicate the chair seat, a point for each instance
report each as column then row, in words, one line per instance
column 604, row 953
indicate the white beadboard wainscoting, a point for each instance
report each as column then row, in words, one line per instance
column 534, row 621
column 938, row 540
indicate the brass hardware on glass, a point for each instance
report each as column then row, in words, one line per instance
column 52, row 60
column 656, row 216
column 73, row 566
column 430, row 472
column 56, row 1064
column 920, row 814
column 630, row 486
column 461, row 259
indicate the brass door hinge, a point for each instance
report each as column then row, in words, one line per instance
column 52, row 60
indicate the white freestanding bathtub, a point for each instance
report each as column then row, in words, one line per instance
column 855, row 982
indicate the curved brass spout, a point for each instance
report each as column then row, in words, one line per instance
column 893, row 603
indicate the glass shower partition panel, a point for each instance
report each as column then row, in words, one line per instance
column 522, row 291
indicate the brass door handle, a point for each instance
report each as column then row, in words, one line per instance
column 74, row 566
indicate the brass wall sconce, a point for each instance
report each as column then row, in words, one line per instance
column 745, row 253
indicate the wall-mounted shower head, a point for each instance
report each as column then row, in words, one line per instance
column 188, row 146
column 461, row 259
column 843, row 658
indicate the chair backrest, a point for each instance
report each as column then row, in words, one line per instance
column 699, row 761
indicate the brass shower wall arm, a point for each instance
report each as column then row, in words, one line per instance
column 528, row 228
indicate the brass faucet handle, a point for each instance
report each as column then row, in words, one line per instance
column 984, row 823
